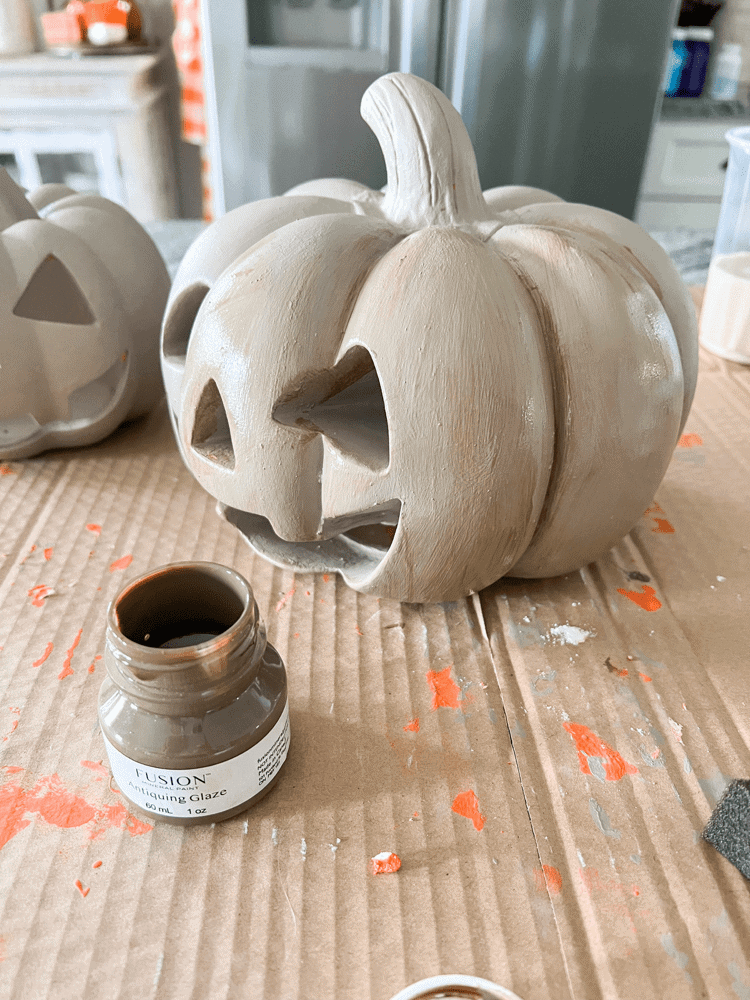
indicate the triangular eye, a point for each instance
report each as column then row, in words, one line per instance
column 346, row 405
column 212, row 437
column 54, row 296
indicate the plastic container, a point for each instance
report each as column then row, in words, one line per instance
column 725, row 316
column 698, row 44
column 727, row 71
column 679, row 57
column 194, row 707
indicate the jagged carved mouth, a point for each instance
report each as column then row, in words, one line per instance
column 355, row 545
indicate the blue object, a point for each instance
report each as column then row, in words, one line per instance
column 679, row 57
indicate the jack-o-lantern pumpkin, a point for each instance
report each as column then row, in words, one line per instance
column 428, row 388
column 85, row 291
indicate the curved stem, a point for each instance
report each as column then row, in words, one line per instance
column 432, row 170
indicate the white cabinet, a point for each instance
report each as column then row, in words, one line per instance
column 684, row 174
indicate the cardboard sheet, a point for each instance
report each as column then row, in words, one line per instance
column 542, row 757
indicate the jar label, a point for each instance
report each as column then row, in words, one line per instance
column 202, row 791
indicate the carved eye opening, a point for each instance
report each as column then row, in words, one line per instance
column 54, row 296
column 179, row 324
column 212, row 436
column 345, row 404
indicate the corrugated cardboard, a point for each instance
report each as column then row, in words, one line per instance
column 594, row 729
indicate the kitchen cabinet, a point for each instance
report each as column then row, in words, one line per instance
column 105, row 122
column 683, row 178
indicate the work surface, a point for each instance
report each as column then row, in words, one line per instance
column 542, row 757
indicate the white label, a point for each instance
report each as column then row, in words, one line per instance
column 202, row 791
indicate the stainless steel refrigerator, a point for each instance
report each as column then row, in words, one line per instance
column 558, row 94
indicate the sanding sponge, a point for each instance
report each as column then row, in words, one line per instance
column 728, row 830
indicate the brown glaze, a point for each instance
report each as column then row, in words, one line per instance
column 171, row 706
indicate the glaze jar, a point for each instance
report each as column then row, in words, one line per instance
column 194, row 706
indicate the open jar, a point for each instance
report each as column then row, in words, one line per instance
column 194, row 706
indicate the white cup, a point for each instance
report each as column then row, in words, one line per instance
column 725, row 318
column 725, row 315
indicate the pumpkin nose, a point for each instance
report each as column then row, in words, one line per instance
column 274, row 471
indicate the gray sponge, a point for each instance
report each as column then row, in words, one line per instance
column 728, row 830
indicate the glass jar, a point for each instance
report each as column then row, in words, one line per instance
column 194, row 706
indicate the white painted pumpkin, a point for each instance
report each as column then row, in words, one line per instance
column 428, row 388
column 84, row 290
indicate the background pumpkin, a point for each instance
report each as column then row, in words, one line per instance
column 84, row 291
column 427, row 388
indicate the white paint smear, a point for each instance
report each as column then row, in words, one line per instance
column 569, row 635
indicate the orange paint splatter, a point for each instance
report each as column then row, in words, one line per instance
column 67, row 670
column 48, row 553
column 646, row 600
column 92, row 665
column 467, row 804
column 614, row 669
column 663, row 526
column 644, row 677
column 51, row 802
column 94, row 765
column 326, row 578
column 12, row 769
column 5, row 470
column 95, row 529
column 38, row 593
column 285, row 598
column 30, row 552
column 445, row 692
column 79, row 886
column 690, row 441
column 122, row 563
column 655, row 754
column 588, row 744
column 45, row 655
column 385, row 863
column 548, row 879
column 97, row 864
column 16, row 716
column 593, row 882
column 412, row 727
column 358, row 630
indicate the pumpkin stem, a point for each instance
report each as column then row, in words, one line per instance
column 432, row 170
column 13, row 204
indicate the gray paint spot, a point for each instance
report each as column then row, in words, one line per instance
column 544, row 683
column 690, row 456
column 687, row 765
column 527, row 635
column 597, row 768
column 720, row 925
column 649, row 760
column 635, row 858
column 601, row 819
column 518, row 730
column 647, row 661
column 667, row 943
column 739, row 987
column 657, row 736
column 493, row 716
column 713, row 787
